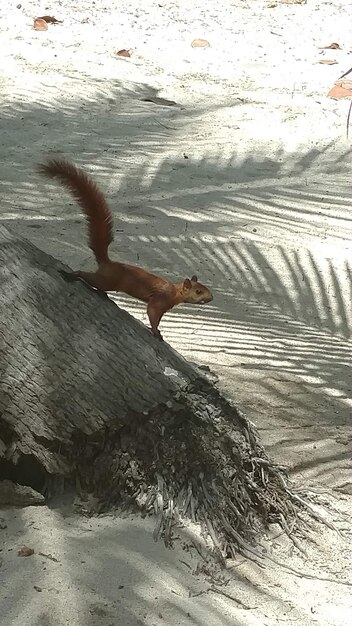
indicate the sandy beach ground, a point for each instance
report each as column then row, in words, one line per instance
column 230, row 162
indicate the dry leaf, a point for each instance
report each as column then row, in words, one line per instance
column 328, row 62
column 40, row 24
column 344, row 82
column 49, row 19
column 200, row 43
column 85, row 21
column 123, row 53
column 338, row 92
column 25, row 551
column 333, row 46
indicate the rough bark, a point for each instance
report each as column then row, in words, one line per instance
column 71, row 362
column 87, row 391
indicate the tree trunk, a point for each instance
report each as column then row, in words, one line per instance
column 87, row 392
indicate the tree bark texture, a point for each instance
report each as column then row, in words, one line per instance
column 87, row 391
column 70, row 361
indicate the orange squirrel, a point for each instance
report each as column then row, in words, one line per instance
column 159, row 294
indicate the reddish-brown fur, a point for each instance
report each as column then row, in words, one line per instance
column 159, row 294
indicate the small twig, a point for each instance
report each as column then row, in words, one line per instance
column 349, row 110
column 290, row 535
column 234, row 565
column 305, row 504
column 327, row 506
column 212, row 532
column 312, row 512
column 241, row 542
column 164, row 125
column 348, row 119
column 197, row 548
column 295, row 572
column 49, row 556
column 195, row 594
column 268, row 463
column 158, row 507
column 193, row 508
column 230, row 597
column 346, row 73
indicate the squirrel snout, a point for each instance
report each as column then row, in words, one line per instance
column 206, row 299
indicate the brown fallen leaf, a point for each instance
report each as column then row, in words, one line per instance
column 333, row 46
column 344, row 82
column 49, row 19
column 25, row 551
column 200, row 43
column 123, row 53
column 337, row 92
column 328, row 62
column 40, row 24
column 85, row 21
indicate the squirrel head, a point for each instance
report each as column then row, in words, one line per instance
column 194, row 292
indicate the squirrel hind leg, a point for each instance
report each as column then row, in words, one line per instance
column 88, row 278
column 73, row 276
column 69, row 276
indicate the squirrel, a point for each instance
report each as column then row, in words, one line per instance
column 160, row 295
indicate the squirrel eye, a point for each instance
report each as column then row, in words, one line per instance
column 198, row 292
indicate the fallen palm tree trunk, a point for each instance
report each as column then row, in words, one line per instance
column 88, row 393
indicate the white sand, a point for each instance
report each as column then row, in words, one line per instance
column 260, row 209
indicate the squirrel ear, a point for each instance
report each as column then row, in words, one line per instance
column 194, row 279
column 187, row 284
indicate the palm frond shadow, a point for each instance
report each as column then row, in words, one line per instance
column 229, row 194
column 293, row 317
column 280, row 306
column 279, row 310
column 122, row 593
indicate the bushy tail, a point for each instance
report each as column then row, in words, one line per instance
column 90, row 199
